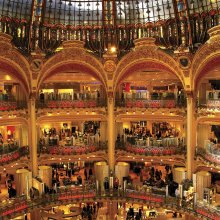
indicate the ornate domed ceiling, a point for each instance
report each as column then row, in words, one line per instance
column 102, row 24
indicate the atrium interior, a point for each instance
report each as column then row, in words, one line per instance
column 109, row 109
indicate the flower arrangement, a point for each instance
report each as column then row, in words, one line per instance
column 72, row 104
column 151, row 150
column 6, row 158
column 72, row 150
column 150, row 198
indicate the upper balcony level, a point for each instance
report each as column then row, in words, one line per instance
column 150, row 89
column 71, row 90
column 12, row 95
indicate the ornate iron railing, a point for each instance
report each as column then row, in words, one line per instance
column 90, row 103
column 208, row 155
column 144, row 103
column 12, row 105
column 23, row 205
column 13, row 155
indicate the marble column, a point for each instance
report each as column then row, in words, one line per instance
column 179, row 174
column 190, row 135
column 36, row 214
column 121, row 170
column 203, row 180
column 45, row 173
column 111, row 134
column 103, row 129
column 112, row 210
column 33, row 136
column 23, row 180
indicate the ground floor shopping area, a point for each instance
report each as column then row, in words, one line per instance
column 99, row 211
column 70, row 177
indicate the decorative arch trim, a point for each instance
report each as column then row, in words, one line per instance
column 210, row 63
column 150, row 58
column 12, row 69
column 73, row 58
column 71, row 65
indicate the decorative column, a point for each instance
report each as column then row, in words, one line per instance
column 33, row 135
column 103, row 129
column 203, row 180
column 45, row 173
column 112, row 210
column 101, row 171
column 190, row 135
column 111, row 132
column 110, row 60
column 122, row 170
column 23, row 182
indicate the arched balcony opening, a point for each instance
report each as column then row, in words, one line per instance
column 13, row 108
column 13, row 96
column 208, row 141
column 13, row 138
column 150, row 88
column 147, row 90
column 208, row 87
column 71, row 89
column 71, row 105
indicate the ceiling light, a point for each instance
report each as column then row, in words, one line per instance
column 113, row 49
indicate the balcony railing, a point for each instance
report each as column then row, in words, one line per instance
column 153, row 147
column 144, row 103
column 161, row 142
column 92, row 103
column 155, row 151
column 209, row 155
column 12, row 105
column 21, row 204
column 211, row 104
column 13, row 155
column 72, row 150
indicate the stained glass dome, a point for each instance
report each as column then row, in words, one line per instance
column 100, row 23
